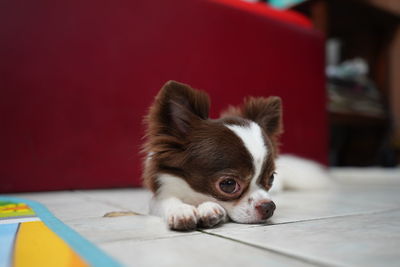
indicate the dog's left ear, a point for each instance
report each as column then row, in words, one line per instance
column 176, row 109
column 267, row 112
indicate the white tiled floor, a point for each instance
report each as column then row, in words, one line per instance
column 355, row 223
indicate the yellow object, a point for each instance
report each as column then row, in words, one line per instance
column 38, row 246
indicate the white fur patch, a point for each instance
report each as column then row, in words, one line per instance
column 173, row 203
column 181, row 206
column 295, row 173
column 211, row 214
column 244, row 211
column 173, row 186
column 254, row 142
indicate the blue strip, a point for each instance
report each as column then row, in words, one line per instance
column 281, row 4
column 89, row 252
column 7, row 237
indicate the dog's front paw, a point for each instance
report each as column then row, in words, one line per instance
column 182, row 217
column 211, row 214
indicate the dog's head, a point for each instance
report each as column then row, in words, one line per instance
column 229, row 160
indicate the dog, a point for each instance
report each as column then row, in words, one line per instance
column 204, row 172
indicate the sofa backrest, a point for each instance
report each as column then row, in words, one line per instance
column 77, row 77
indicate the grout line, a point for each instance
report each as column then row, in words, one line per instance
column 331, row 217
column 193, row 233
column 286, row 254
column 109, row 203
column 275, row 251
column 323, row 218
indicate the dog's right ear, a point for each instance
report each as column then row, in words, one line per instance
column 267, row 112
column 177, row 108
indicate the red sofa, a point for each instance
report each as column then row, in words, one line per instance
column 78, row 76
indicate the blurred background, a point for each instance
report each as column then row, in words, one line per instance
column 77, row 77
column 363, row 77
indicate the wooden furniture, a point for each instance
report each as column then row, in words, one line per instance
column 368, row 29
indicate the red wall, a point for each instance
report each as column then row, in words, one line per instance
column 76, row 78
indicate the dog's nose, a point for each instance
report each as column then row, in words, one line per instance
column 266, row 209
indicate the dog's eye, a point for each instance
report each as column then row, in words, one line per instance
column 271, row 179
column 229, row 186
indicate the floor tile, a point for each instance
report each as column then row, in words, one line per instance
column 69, row 205
column 366, row 175
column 136, row 200
column 50, row 197
column 136, row 227
column 298, row 206
column 195, row 251
column 329, row 203
column 354, row 223
column 363, row 240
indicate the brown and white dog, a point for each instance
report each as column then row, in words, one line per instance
column 203, row 171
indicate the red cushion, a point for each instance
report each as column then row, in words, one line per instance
column 262, row 9
column 78, row 76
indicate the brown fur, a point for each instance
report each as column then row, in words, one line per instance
column 184, row 142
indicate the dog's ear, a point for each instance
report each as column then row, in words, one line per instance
column 267, row 112
column 178, row 107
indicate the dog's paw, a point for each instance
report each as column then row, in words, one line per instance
column 211, row 214
column 182, row 217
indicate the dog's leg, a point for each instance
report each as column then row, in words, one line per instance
column 178, row 215
column 211, row 214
